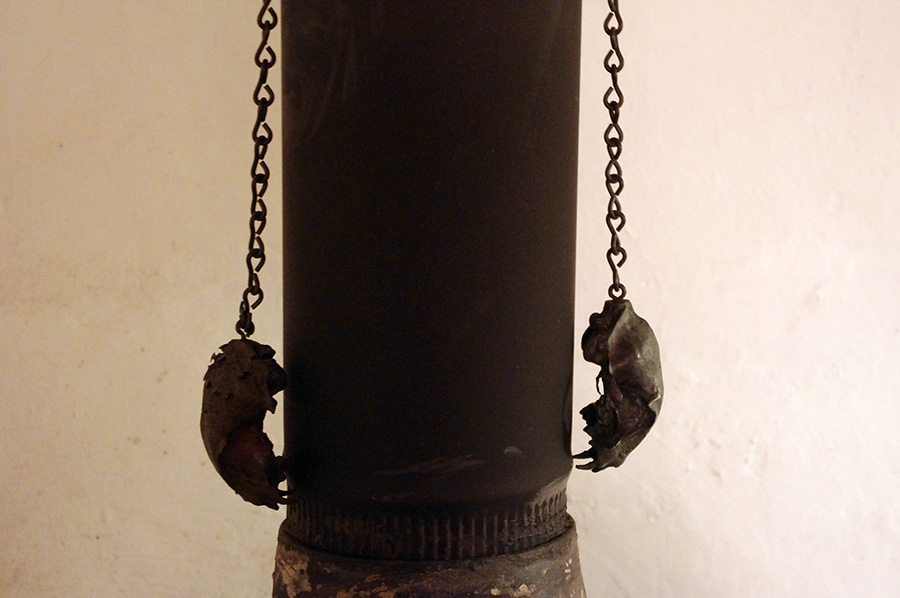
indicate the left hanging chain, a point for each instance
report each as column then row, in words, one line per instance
column 239, row 385
column 263, row 96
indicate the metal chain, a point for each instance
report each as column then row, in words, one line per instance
column 613, row 100
column 263, row 97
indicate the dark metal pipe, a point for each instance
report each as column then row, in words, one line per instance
column 430, row 160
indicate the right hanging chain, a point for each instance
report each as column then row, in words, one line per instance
column 613, row 100
column 618, row 340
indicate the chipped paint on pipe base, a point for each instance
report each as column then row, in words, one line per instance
column 551, row 570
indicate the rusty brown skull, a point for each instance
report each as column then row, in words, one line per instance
column 237, row 393
column 625, row 348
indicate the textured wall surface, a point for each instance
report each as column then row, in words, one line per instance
column 763, row 196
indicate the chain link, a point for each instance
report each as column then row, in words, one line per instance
column 613, row 100
column 263, row 97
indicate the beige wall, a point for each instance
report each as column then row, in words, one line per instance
column 763, row 197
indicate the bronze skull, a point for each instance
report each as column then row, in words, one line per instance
column 237, row 392
column 625, row 348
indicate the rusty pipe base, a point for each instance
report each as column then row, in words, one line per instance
column 551, row 570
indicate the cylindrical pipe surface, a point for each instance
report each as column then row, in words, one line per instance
column 430, row 161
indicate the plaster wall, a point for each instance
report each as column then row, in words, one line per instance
column 762, row 192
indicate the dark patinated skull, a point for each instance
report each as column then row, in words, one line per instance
column 625, row 348
column 237, row 393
